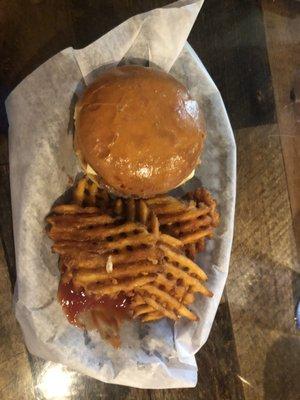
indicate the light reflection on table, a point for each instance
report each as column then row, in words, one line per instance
column 55, row 382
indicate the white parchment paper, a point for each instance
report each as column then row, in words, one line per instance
column 40, row 112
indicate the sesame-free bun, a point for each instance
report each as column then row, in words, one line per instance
column 138, row 130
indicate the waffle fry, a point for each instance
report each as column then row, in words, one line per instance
column 180, row 279
column 177, row 268
column 110, row 246
column 136, row 210
column 98, row 232
column 83, row 278
column 88, row 193
column 70, row 222
column 191, row 221
column 128, row 244
column 149, row 310
column 87, row 241
column 93, row 261
column 66, row 209
column 127, row 285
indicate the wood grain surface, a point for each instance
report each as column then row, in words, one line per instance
column 253, row 349
column 282, row 26
column 264, row 270
column 15, row 373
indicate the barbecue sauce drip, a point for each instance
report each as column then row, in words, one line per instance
column 74, row 302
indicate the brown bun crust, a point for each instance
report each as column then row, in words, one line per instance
column 140, row 130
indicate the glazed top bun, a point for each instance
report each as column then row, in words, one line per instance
column 138, row 132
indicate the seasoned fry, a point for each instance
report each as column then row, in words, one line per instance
column 94, row 233
column 191, row 221
column 137, row 210
column 180, row 278
column 84, row 277
column 69, row 222
column 142, row 309
column 153, row 224
column 143, row 213
column 189, row 298
column 183, row 216
column 130, row 209
column 188, row 280
column 79, row 193
column 171, row 207
column 155, row 305
column 183, row 261
column 131, row 241
column 71, row 248
column 191, row 250
column 164, row 297
column 93, row 261
column 195, row 236
column 118, row 208
column 153, row 316
column 191, row 226
column 170, row 240
column 65, row 247
column 125, row 286
column 160, row 199
column 75, row 209
column 137, row 300
column 87, row 193
column 142, row 240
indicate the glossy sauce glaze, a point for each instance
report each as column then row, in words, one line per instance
column 74, row 302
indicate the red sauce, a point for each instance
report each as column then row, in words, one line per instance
column 74, row 302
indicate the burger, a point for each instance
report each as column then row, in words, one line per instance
column 138, row 132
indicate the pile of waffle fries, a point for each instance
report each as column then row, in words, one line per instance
column 141, row 248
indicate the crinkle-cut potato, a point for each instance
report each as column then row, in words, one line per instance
column 191, row 220
column 136, row 247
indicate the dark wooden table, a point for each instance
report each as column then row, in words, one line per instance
column 252, row 51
